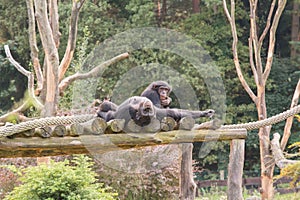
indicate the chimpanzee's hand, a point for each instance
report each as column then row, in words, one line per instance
column 166, row 102
column 209, row 112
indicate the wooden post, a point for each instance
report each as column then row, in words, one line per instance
column 187, row 184
column 235, row 169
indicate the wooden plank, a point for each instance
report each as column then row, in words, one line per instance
column 235, row 170
column 36, row 147
column 252, row 181
column 210, row 183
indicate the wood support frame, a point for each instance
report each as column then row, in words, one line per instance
column 93, row 144
column 235, row 170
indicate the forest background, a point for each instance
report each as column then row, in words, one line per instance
column 204, row 22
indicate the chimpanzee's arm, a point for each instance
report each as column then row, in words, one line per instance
column 107, row 116
column 153, row 96
column 178, row 114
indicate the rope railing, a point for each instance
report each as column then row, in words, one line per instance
column 42, row 122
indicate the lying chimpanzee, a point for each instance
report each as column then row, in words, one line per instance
column 141, row 110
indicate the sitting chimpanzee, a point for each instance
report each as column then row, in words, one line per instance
column 158, row 92
column 141, row 110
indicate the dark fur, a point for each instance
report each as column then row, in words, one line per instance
column 151, row 92
column 106, row 106
column 141, row 110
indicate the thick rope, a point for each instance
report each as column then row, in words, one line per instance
column 266, row 122
column 42, row 122
column 48, row 121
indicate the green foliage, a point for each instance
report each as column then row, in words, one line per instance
column 12, row 84
column 65, row 102
column 61, row 180
column 9, row 173
column 282, row 83
column 13, row 31
column 141, row 13
column 13, row 27
column 292, row 170
column 213, row 33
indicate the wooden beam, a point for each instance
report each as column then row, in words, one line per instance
column 37, row 147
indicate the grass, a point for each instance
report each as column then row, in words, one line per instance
column 219, row 193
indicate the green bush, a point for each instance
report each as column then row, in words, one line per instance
column 61, row 180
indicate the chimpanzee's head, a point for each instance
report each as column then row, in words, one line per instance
column 162, row 88
column 141, row 110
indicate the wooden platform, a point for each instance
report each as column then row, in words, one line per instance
column 52, row 146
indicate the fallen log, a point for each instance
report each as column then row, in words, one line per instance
column 44, row 132
column 153, row 127
column 186, row 123
column 59, row 131
column 95, row 126
column 115, row 126
column 167, row 124
column 75, row 130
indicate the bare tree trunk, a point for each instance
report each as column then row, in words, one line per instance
column 295, row 28
column 33, row 46
column 267, row 165
column 196, row 6
column 164, row 9
column 158, row 10
column 51, row 58
column 260, row 76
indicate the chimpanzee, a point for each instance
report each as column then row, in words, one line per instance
column 107, row 105
column 141, row 110
column 158, row 92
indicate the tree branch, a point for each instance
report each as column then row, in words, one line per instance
column 53, row 20
column 268, row 24
column 272, row 38
column 51, row 58
column 226, row 11
column 254, row 40
column 71, row 40
column 254, row 71
column 289, row 121
column 278, row 156
column 93, row 73
column 231, row 19
column 29, row 75
column 15, row 114
column 33, row 46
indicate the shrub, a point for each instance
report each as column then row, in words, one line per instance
column 9, row 179
column 61, row 180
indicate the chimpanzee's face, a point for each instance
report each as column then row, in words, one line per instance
column 163, row 92
column 141, row 109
